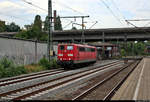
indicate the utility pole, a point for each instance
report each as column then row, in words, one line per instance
column 83, row 37
column 50, row 45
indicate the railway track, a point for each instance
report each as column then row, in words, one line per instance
column 29, row 77
column 37, row 89
column 105, row 94
column 22, row 78
column 112, row 92
column 18, row 79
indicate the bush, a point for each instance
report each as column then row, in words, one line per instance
column 1, row 71
column 6, row 63
column 9, row 72
column 13, row 71
column 54, row 64
column 45, row 63
column 8, row 68
column 21, row 70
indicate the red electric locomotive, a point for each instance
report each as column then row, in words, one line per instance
column 74, row 54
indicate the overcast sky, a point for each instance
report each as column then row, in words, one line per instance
column 108, row 13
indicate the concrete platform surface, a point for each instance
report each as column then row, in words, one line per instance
column 137, row 85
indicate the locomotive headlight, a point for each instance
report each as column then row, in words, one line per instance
column 60, row 54
column 70, row 54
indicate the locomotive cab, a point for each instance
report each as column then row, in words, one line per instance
column 65, row 55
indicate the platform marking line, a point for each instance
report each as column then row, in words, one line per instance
column 138, row 84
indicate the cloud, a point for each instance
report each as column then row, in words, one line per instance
column 130, row 9
column 18, row 12
column 135, row 7
column 8, row 7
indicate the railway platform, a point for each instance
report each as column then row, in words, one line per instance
column 137, row 85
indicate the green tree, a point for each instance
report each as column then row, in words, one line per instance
column 123, row 52
column 58, row 25
column 37, row 33
column 12, row 27
column 74, row 28
column 139, row 48
column 46, row 24
column 2, row 26
column 28, row 27
column 34, row 31
column 38, row 22
column 134, row 48
column 129, row 48
column 37, row 27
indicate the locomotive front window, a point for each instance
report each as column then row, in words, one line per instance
column 62, row 47
column 69, row 47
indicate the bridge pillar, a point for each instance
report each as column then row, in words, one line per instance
column 103, row 48
column 125, row 39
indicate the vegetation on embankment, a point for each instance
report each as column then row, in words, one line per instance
column 9, row 69
column 134, row 49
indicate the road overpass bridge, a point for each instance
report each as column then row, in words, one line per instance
column 110, row 34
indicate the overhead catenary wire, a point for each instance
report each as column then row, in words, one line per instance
column 19, row 18
column 139, row 20
column 16, row 17
column 135, row 20
column 131, row 23
column 113, row 2
column 67, row 25
column 60, row 3
column 147, row 32
column 115, row 5
column 66, row 6
column 32, row 4
column 93, row 24
column 111, row 12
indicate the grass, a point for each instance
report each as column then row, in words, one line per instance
column 9, row 69
column 34, row 68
